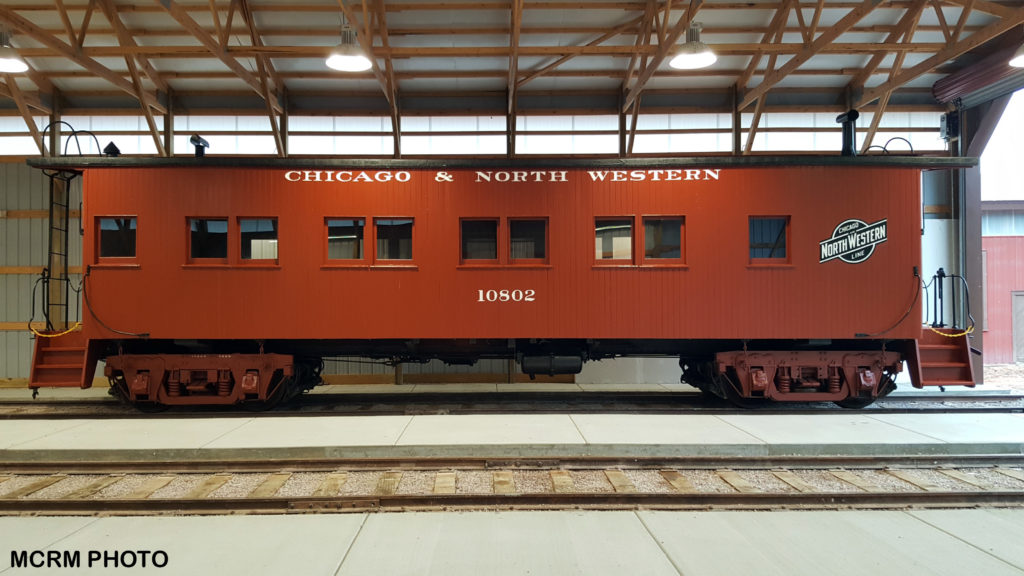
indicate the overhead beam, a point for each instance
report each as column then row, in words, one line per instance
column 23, row 26
column 973, row 41
column 267, row 77
column 778, row 21
column 883, row 101
column 663, row 49
column 125, row 38
column 912, row 15
column 826, row 37
column 31, row 99
column 391, row 83
column 515, row 22
column 26, row 114
column 219, row 50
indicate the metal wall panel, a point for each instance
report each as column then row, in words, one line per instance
column 23, row 242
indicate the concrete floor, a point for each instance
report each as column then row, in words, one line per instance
column 511, row 435
column 837, row 543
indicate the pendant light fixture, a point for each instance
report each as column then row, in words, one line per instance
column 10, row 62
column 693, row 54
column 1018, row 58
column 348, row 56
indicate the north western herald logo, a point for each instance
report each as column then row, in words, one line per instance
column 853, row 241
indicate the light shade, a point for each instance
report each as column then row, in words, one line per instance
column 1018, row 58
column 693, row 54
column 347, row 56
column 10, row 62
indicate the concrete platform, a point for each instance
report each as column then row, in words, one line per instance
column 839, row 543
column 510, row 436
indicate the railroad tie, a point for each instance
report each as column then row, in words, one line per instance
column 966, row 478
column 331, row 485
column 93, row 487
column 150, row 486
column 620, row 481
column 208, row 486
column 388, row 483
column 790, row 477
column 562, row 481
column 269, row 487
column 911, row 478
column 503, row 482
column 1017, row 474
column 444, row 483
column 34, row 487
column 856, row 480
column 739, row 483
column 678, row 481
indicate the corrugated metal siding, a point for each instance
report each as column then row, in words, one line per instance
column 1005, row 275
column 23, row 242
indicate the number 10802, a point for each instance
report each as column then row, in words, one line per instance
column 506, row 295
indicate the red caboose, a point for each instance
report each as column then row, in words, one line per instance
column 220, row 281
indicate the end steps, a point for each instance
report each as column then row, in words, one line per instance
column 60, row 362
column 942, row 360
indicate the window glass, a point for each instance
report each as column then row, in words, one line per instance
column 208, row 238
column 117, row 237
column 259, row 238
column 768, row 237
column 394, row 239
column 663, row 238
column 529, row 239
column 479, row 239
column 614, row 239
column 345, row 239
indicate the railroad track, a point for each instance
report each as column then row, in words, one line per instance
column 287, row 487
column 313, row 405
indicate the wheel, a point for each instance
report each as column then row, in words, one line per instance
column 884, row 389
column 119, row 390
column 732, row 394
column 855, row 403
column 275, row 397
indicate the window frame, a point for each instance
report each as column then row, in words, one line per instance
column 632, row 241
column 547, row 242
column 677, row 262
column 204, row 261
column 498, row 242
column 256, row 261
column 369, row 242
column 115, row 261
column 785, row 260
column 376, row 260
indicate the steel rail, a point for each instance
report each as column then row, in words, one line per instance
column 608, row 501
column 875, row 461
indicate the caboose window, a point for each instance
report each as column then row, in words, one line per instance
column 208, row 238
column 117, row 237
column 394, row 239
column 345, row 239
column 663, row 238
column 529, row 239
column 479, row 239
column 768, row 237
column 614, row 239
column 259, row 238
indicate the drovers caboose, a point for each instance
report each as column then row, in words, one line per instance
column 224, row 281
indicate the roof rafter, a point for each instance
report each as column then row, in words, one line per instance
column 125, row 38
column 391, row 83
column 663, row 49
column 267, row 75
column 777, row 23
column 973, row 41
column 883, row 102
column 219, row 50
column 26, row 114
column 846, row 22
column 22, row 25
column 515, row 23
column 909, row 18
